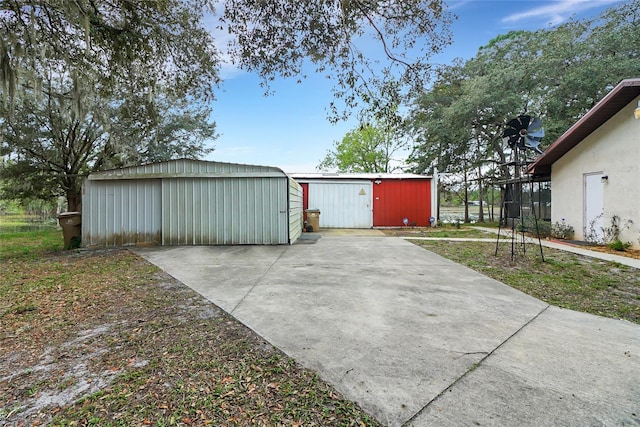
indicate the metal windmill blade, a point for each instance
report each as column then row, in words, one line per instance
column 534, row 135
column 533, row 144
column 512, row 136
column 525, row 132
column 516, row 129
column 535, row 129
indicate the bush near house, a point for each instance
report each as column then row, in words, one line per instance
column 562, row 230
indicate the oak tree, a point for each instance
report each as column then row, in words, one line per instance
column 87, row 79
column 369, row 148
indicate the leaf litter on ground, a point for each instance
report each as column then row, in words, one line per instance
column 102, row 337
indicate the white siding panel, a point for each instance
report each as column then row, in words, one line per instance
column 295, row 210
column 342, row 204
column 224, row 211
column 121, row 212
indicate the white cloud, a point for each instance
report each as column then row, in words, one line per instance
column 455, row 4
column 557, row 11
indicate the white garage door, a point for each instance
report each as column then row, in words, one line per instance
column 342, row 204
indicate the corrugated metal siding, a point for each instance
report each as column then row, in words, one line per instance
column 224, row 211
column 394, row 200
column 189, row 202
column 121, row 212
column 295, row 210
column 342, row 204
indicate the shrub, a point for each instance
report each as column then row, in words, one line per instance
column 544, row 228
column 618, row 245
column 607, row 235
column 529, row 225
column 562, row 230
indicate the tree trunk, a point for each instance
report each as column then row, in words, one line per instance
column 493, row 204
column 466, row 197
column 74, row 201
column 503, row 214
column 481, row 213
column 478, row 156
column 438, row 202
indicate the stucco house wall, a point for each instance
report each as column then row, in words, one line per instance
column 612, row 150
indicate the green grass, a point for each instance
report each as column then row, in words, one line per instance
column 30, row 244
column 16, row 223
column 443, row 231
column 566, row 280
column 162, row 354
column 462, row 232
column 26, row 237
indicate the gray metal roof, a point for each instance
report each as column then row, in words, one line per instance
column 187, row 168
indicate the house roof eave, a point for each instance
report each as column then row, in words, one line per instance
column 619, row 97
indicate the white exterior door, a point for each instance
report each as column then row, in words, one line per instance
column 593, row 207
column 342, row 204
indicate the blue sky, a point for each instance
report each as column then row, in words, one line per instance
column 289, row 129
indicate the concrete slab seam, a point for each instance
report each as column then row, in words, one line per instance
column 472, row 368
column 257, row 282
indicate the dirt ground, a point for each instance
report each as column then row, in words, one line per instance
column 105, row 338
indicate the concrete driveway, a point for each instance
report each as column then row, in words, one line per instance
column 418, row 340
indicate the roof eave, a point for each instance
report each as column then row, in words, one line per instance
column 619, row 97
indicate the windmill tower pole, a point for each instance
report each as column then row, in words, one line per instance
column 523, row 132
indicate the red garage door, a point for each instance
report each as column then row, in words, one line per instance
column 396, row 199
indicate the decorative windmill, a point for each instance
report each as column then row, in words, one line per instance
column 522, row 133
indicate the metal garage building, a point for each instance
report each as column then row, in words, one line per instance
column 365, row 200
column 191, row 202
